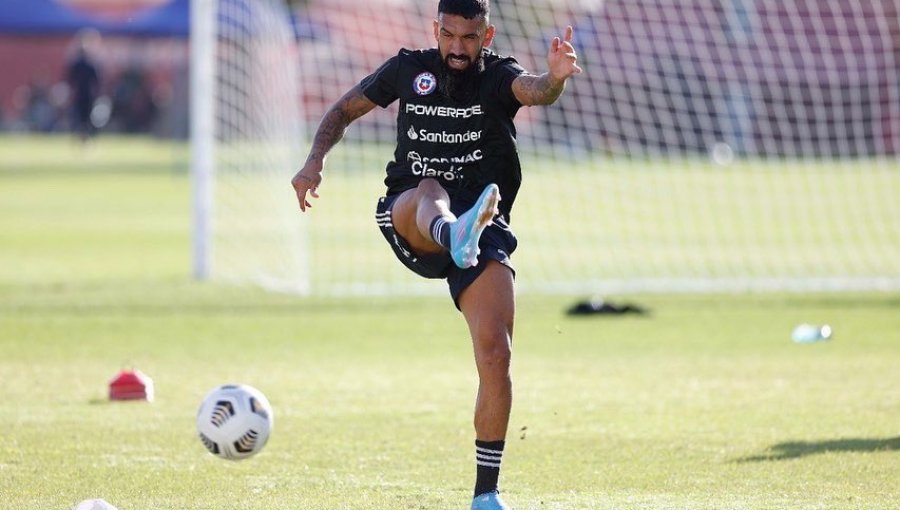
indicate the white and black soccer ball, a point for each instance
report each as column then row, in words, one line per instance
column 234, row 421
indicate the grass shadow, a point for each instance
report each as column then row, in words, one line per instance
column 797, row 449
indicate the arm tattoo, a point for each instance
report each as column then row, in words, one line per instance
column 537, row 90
column 331, row 129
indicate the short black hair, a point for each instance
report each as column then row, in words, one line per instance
column 468, row 9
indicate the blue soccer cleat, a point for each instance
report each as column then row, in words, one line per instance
column 466, row 231
column 489, row 501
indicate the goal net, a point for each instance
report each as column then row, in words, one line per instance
column 710, row 145
column 246, row 137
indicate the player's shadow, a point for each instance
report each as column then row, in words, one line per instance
column 795, row 449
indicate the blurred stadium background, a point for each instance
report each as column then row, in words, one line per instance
column 711, row 145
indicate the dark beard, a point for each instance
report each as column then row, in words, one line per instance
column 460, row 85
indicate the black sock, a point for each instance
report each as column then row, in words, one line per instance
column 487, row 458
column 440, row 231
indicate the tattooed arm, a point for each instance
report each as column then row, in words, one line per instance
column 533, row 90
column 331, row 129
column 545, row 89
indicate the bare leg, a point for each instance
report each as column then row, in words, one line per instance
column 488, row 305
column 415, row 209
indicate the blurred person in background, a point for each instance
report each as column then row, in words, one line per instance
column 83, row 76
column 38, row 113
column 134, row 109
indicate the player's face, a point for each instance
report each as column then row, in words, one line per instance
column 460, row 40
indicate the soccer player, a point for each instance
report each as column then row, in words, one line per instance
column 455, row 158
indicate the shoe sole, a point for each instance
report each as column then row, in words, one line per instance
column 486, row 212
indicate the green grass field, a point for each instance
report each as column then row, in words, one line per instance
column 703, row 404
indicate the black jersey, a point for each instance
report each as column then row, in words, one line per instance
column 464, row 144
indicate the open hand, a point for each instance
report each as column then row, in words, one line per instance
column 561, row 60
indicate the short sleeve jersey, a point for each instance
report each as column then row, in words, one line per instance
column 466, row 144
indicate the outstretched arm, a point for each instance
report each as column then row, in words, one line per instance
column 545, row 89
column 331, row 129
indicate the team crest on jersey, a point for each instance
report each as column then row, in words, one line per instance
column 424, row 84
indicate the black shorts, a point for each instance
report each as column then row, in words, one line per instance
column 497, row 243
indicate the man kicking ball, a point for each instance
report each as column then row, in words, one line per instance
column 455, row 159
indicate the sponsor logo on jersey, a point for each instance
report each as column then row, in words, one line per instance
column 424, row 84
column 443, row 136
column 471, row 157
column 443, row 111
column 423, row 166
column 422, row 169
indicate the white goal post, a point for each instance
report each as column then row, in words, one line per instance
column 710, row 145
column 246, row 135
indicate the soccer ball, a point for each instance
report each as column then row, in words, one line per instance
column 234, row 421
